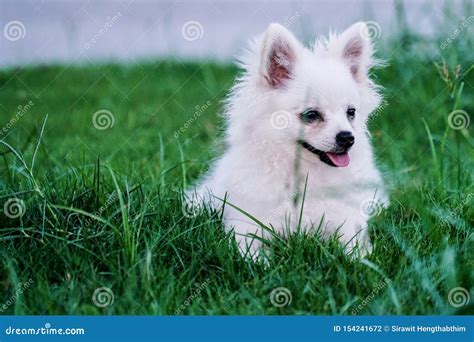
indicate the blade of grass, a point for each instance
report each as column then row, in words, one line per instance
column 433, row 152
column 38, row 143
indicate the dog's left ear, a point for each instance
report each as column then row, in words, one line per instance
column 355, row 48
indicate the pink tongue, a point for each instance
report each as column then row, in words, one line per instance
column 339, row 159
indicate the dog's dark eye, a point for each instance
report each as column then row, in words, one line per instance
column 311, row 115
column 351, row 112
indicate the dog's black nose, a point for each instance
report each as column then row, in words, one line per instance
column 345, row 139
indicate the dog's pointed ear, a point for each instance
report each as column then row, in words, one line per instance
column 279, row 53
column 355, row 48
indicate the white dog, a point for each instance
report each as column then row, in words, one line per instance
column 296, row 128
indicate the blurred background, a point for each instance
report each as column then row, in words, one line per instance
column 82, row 31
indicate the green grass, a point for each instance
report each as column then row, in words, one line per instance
column 103, row 207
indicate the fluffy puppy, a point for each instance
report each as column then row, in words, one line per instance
column 296, row 125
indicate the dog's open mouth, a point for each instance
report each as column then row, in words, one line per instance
column 336, row 159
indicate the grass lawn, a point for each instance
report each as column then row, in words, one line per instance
column 100, row 212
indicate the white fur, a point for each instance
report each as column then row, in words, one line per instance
column 264, row 167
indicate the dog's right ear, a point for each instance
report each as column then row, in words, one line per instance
column 354, row 46
column 279, row 52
